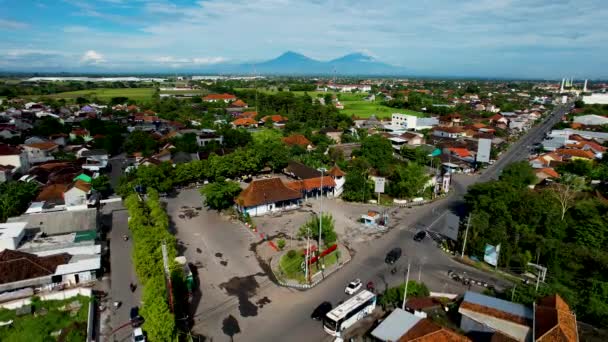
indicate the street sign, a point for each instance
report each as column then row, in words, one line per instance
column 379, row 185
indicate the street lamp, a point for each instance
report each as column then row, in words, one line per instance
column 323, row 170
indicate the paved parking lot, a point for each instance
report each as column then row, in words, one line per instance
column 234, row 289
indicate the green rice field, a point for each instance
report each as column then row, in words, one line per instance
column 137, row 94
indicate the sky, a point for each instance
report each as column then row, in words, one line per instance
column 489, row 38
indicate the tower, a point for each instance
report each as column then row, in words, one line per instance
column 585, row 87
column 561, row 89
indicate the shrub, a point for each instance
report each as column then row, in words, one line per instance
column 281, row 243
column 291, row 254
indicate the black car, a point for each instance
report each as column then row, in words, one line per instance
column 419, row 236
column 321, row 311
column 393, row 255
column 136, row 319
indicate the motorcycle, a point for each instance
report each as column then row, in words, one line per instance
column 125, row 237
column 394, row 270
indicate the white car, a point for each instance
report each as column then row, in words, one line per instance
column 353, row 287
column 138, row 335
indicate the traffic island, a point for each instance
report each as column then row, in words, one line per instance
column 289, row 267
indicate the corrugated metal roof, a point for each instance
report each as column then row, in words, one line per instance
column 498, row 304
column 395, row 325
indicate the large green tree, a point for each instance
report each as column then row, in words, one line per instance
column 408, row 181
column 220, row 195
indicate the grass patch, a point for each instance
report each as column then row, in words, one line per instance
column 365, row 109
column 192, row 91
column 48, row 317
column 291, row 268
column 137, row 94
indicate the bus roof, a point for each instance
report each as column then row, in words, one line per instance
column 340, row 311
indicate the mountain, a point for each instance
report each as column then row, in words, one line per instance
column 293, row 63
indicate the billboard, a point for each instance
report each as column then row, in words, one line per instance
column 491, row 254
column 483, row 150
column 379, row 184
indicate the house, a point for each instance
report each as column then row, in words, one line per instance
column 265, row 196
column 219, row 98
column 448, row 132
column 13, row 156
column 554, row 321
column 545, row 173
column 591, row 120
column 334, row 134
column 40, row 152
column 300, row 171
column 239, row 104
column 313, row 187
column 6, row 173
column 339, row 178
column 76, row 194
column 52, row 194
column 8, row 133
column 245, row 123
column 22, row 270
column 96, row 160
column 207, row 136
column 277, row 120
column 451, row 120
column 164, row 155
column 59, row 139
column 483, row 315
column 403, row 326
column 81, row 132
column 298, row 140
column 422, row 306
column 545, row 160
column 575, row 154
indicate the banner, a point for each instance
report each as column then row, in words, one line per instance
column 379, row 185
column 491, row 254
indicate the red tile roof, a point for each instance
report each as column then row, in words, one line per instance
column 47, row 145
column 80, row 132
column 275, row 118
column 297, row 139
column 238, row 103
column 576, row 153
column 494, row 313
column 248, row 115
column 311, row 183
column 460, row 151
column 336, row 172
column 554, row 322
column 52, row 193
column 427, row 331
column 548, row 171
column 244, row 122
column 84, row 186
column 266, row 191
column 448, row 129
column 219, row 97
column 422, row 303
column 16, row 266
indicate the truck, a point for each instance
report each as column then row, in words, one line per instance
column 189, row 277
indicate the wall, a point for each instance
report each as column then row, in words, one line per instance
column 74, row 196
column 269, row 208
column 18, row 161
column 58, row 295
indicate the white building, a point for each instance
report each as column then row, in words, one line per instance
column 598, row 98
column 13, row 156
column 40, row 152
column 591, row 120
column 11, row 234
column 412, row 122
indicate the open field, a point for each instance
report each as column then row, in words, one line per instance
column 137, row 94
column 191, row 91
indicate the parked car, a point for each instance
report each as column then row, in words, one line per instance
column 419, row 236
column 138, row 335
column 319, row 313
column 393, row 255
column 136, row 319
column 353, row 287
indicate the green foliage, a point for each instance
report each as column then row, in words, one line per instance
column 220, row 195
column 357, row 187
column 378, row 151
column 518, row 174
column 281, row 244
column 291, row 254
column 15, row 197
column 408, row 181
column 140, row 141
column 311, row 228
column 394, row 295
column 186, row 143
column 102, row 184
column 528, row 224
column 149, row 225
column 49, row 125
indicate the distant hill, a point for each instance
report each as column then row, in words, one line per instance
column 293, row 63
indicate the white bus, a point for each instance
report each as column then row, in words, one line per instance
column 349, row 312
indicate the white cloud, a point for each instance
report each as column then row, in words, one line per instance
column 181, row 61
column 12, row 25
column 92, row 57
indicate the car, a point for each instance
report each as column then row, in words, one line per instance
column 319, row 313
column 419, row 236
column 136, row 319
column 353, row 287
column 138, row 335
column 393, row 255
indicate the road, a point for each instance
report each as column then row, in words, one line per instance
column 291, row 317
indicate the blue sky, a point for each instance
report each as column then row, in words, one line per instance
column 504, row 38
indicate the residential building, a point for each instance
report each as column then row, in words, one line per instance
column 300, row 171
column 451, row 120
column 40, row 152
column 207, row 136
column 411, row 122
column 76, row 194
column 96, row 160
column 554, row 321
column 81, row 132
column 339, row 178
column 598, row 98
column 13, row 156
column 448, row 132
column 313, row 187
column 403, row 326
column 265, row 196
column 219, row 98
column 546, row 173
column 52, row 194
column 591, row 120
column 244, row 123
column 334, row 134
column 239, row 104
column 575, row 154
column 483, row 315
column 299, row 140
column 6, row 173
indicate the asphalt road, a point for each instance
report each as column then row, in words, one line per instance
column 291, row 318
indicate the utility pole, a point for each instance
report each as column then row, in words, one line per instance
column 513, row 292
column 306, row 256
column 321, row 211
column 419, row 271
column 466, row 232
column 407, row 279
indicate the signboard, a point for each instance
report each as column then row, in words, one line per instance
column 379, row 185
column 491, row 254
column 483, row 150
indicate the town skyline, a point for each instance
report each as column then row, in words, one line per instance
column 484, row 39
